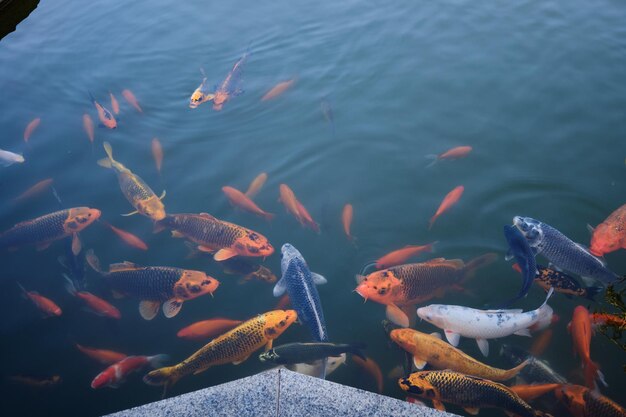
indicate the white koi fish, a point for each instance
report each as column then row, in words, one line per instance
column 8, row 158
column 457, row 321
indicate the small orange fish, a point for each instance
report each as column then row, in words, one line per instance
column 157, row 153
column 36, row 189
column 346, row 220
column 130, row 97
column 30, row 128
column 605, row 319
column 33, row 382
column 610, row 235
column 580, row 329
column 45, row 305
column 371, row 367
column 454, row 153
column 307, row 220
column 530, row 392
column 114, row 104
column 105, row 357
column 128, row 238
column 239, row 199
column 205, row 329
column 256, row 185
column 398, row 257
column 449, row 200
column 95, row 304
column 106, row 117
column 541, row 343
column 88, row 125
column 283, row 303
column 278, row 89
column 288, row 198
column 582, row 402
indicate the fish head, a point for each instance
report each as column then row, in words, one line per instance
column 572, row 396
column 435, row 314
column 417, row 383
column 79, row 218
column 277, row 321
column 288, row 253
column 104, row 378
column 380, row 286
column 269, row 356
column 605, row 239
column 253, row 244
column 334, row 362
column 405, row 338
column 152, row 207
column 197, row 98
column 193, row 284
column 265, row 275
column 530, row 228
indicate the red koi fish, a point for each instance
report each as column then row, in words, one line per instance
column 132, row 100
column 606, row 319
column 580, row 329
column 128, row 238
column 116, row 374
column 449, row 200
column 239, row 199
column 399, row 256
column 47, row 307
column 454, row 153
column 105, row 357
column 610, row 235
column 30, row 128
column 346, row 220
column 106, row 117
column 94, row 304
column 371, row 367
column 206, row 329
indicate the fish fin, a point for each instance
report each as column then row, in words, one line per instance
column 588, row 280
column 592, row 292
column 280, row 287
column 436, row 334
column 523, row 332
column 70, row 287
column 439, row 405
column 149, row 309
column 223, row 254
column 62, row 260
column 269, row 344
column 105, row 162
column 483, row 345
column 318, row 279
column 509, row 255
column 157, row 361
column 24, row 292
column 130, row 214
column 206, row 249
column 472, row 410
column 93, row 261
column 172, row 307
column 176, row 234
column 397, row 316
column 241, row 361
column 207, row 216
column 158, row 227
column 123, row 266
column 419, row 363
column 116, row 294
column 359, row 278
column 590, row 228
column 76, row 244
column 162, row 196
column 452, row 337
column 434, row 160
column 43, row 246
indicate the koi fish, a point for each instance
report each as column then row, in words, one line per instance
column 44, row 230
column 283, row 302
column 127, row 237
column 157, row 153
column 234, row 346
column 563, row 252
column 201, row 94
column 531, row 392
column 457, row 321
column 239, row 199
column 299, row 283
column 114, row 104
column 606, row 319
column 536, row 371
column 278, row 89
column 45, row 305
column 429, row 348
column 106, row 117
column 307, row 220
column 289, row 200
column 256, row 185
column 525, row 257
column 36, row 189
column 346, row 221
column 136, row 191
column 93, row 303
column 8, row 158
column 370, row 366
column 582, row 402
column 449, row 200
column 212, row 235
column 132, row 100
column 250, row 271
column 154, row 285
column 88, row 126
column 30, row 128
column 404, row 286
column 309, row 352
column 562, row 283
column 33, row 382
column 115, row 375
column 454, row 153
column 230, row 86
column 541, row 342
column 610, row 235
column 105, row 357
column 580, row 329
column 202, row 330
column 469, row 392
column 399, row 256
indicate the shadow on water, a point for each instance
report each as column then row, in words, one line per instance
column 12, row 12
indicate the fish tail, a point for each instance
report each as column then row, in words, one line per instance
column 434, row 158
column 166, row 377
column 514, row 371
column 70, row 287
column 479, row 262
column 591, row 372
column 157, row 361
column 357, row 349
column 268, row 216
column 24, row 292
column 93, row 261
column 592, row 292
column 93, row 100
column 432, row 221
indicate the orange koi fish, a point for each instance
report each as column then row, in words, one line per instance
column 606, row 319
column 371, row 367
column 157, row 153
column 132, row 100
column 94, row 304
column 116, row 374
column 454, row 153
column 610, row 235
column 346, row 220
column 105, row 357
column 256, row 185
column 531, row 392
column 399, row 256
column 114, row 104
column 30, row 128
column 541, row 343
column 33, row 382
column 106, row 117
column 580, row 329
column 230, row 86
column 307, row 220
column 201, row 94
column 47, row 307
column 239, row 199
column 449, row 200
column 289, row 200
column 36, row 189
column 278, row 89
column 88, row 126
column 582, row 402
column 128, row 238
column 205, row 329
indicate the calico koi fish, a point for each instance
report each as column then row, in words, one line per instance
column 399, row 256
column 449, row 200
column 132, row 100
column 93, row 303
column 278, row 89
column 154, row 285
column 45, row 305
column 239, row 199
column 580, row 329
column 610, row 235
column 562, row 283
column 106, row 117
column 30, row 128
column 230, row 86
column 136, row 191
column 346, row 221
column 583, row 402
column 88, row 126
column 115, row 375
column 256, row 185
column 454, row 153
column 105, row 357
column 235, row 347
column 212, row 235
column 205, row 329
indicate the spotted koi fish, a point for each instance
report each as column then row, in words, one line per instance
column 583, row 402
column 136, row 191
column 233, row 346
column 155, row 285
column 212, row 235
column 44, row 230
column 230, row 86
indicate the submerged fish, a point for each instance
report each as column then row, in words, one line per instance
column 607, row 319
column 240, row 200
column 278, row 89
column 399, row 256
column 106, row 117
column 201, row 94
column 132, row 100
column 536, row 371
column 562, row 283
column 309, row 352
column 299, row 283
column 45, row 305
column 312, row 369
column 448, row 201
column 250, row 271
column 154, row 285
column 127, row 237
column 256, row 185
column 346, row 221
column 454, row 153
column 105, row 357
column 370, row 366
column 212, row 235
column 205, row 329
column 525, row 257
column 541, row 342
column 116, row 374
column 8, row 158
column 30, row 128
column 457, row 321
column 430, row 349
column 157, row 153
column 230, row 86
column 610, row 235
column 35, row 190
column 533, row 391
column 234, row 346
column 327, row 111
column 583, row 402
column 115, row 106
column 35, row 382
column 136, row 191
column 88, row 126
column 289, row 200
column 93, row 303
column 580, row 329
column 563, row 252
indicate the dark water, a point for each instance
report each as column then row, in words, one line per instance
column 536, row 88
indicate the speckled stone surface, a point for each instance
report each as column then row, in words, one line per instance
column 280, row 393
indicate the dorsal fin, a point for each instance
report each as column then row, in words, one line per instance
column 436, row 261
column 123, row 266
column 207, row 216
